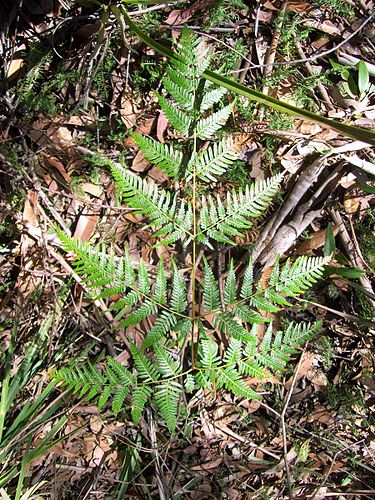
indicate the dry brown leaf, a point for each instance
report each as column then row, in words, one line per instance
column 161, row 126
column 208, row 465
column 85, row 121
column 92, row 189
column 128, row 110
column 322, row 415
column 300, row 7
column 140, row 162
column 308, row 368
column 85, row 226
column 354, row 200
column 181, row 16
column 54, row 162
column 17, row 62
column 144, row 128
column 158, row 175
column 317, row 240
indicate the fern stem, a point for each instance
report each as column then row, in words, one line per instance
column 194, row 259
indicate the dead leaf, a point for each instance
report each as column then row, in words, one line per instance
column 309, row 369
column 128, row 110
column 208, row 465
column 140, row 162
column 316, row 240
column 161, row 126
column 92, row 189
column 144, row 128
column 17, row 62
column 85, row 121
column 300, row 7
column 54, row 162
column 85, row 226
column 181, row 16
column 158, row 175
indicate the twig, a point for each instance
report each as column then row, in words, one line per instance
column 271, row 53
column 351, row 251
column 283, row 426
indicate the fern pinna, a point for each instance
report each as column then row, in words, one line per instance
column 191, row 309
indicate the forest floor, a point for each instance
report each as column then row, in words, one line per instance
column 74, row 82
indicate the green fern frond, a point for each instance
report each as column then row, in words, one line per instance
column 99, row 267
column 233, row 353
column 296, row 278
column 211, row 294
column 167, row 397
column 140, row 395
column 144, row 285
column 163, row 324
column 217, row 308
column 162, row 155
column 298, row 333
column 177, row 118
column 189, row 383
column 227, row 324
column 139, row 314
column 231, row 379
column 167, row 366
column 184, row 97
column 213, row 161
column 161, row 285
column 182, row 79
column 178, row 299
column 230, row 289
column 206, row 127
column 208, row 352
column 248, row 315
column 212, row 97
column 146, row 370
column 247, row 284
column 163, row 209
column 222, row 223
column 260, row 302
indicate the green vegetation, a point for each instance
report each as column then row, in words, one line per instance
column 162, row 369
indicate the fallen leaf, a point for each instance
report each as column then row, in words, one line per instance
column 161, row 126
column 140, row 162
column 85, row 226
column 300, row 7
column 128, row 110
column 181, row 16
column 208, row 465
column 309, row 369
column 316, row 240
column 17, row 62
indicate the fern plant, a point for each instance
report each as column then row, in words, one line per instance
column 198, row 310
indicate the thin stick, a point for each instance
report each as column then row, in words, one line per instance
column 283, row 426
